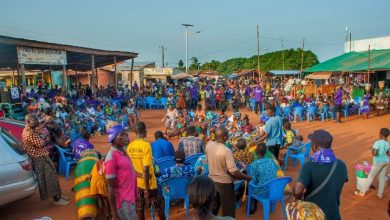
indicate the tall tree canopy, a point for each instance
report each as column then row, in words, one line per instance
column 268, row 61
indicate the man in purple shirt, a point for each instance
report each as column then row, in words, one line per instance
column 82, row 143
column 258, row 96
column 338, row 99
column 194, row 97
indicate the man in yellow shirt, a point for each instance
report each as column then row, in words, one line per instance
column 140, row 153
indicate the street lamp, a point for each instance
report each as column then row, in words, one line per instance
column 186, row 35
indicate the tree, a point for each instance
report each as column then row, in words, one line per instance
column 268, row 61
column 180, row 64
column 194, row 63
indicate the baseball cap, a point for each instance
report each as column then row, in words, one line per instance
column 321, row 138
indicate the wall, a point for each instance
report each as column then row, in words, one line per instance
column 378, row 43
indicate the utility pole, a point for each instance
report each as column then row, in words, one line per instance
column 186, row 36
column 369, row 64
column 162, row 56
column 281, row 39
column 303, row 48
column 258, row 54
column 350, row 42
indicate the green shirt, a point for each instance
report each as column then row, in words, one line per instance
column 382, row 146
column 328, row 198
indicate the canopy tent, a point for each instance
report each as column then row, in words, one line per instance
column 319, row 75
column 354, row 61
column 284, row 72
column 181, row 76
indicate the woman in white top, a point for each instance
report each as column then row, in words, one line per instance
column 170, row 118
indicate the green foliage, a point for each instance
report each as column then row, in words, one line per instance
column 194, row 63
column 268, row 61
column 180, row 64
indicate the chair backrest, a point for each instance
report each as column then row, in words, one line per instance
column 286, row 110
column 177, row 187
column 165, row 162
column 191, row 160
column 298, row 110
column 312, row 109
column 62, row 153
column 163, row 100
column 276, row 188
column 307, row 147
column 326, row 108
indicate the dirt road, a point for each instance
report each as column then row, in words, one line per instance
column 352, row 139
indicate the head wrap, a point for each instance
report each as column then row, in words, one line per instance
column 113, row 132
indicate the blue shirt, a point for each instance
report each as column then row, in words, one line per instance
column 273, row 128
column 382, row 147
column 162, row 148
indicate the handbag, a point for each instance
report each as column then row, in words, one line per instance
column 320, row 187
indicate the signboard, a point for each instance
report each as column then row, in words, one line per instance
column 15, row 93
column 29, row 55
column 167, row 71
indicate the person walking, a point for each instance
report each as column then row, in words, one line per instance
column 140, row 153
column 120, row 175
column 380, row 152
column 257, row 94
column 222, row 170
column 43, row 167
column 273, row 133
column 321, row 179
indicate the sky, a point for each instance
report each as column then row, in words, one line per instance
column 227, row 27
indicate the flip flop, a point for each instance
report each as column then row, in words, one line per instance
column 359, row 193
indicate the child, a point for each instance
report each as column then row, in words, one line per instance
column 248, row 127
column 380, row 152
column 199, row 114
column 290, row 141
column 241, row 154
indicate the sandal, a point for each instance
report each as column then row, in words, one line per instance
column 359, row 193
column 380, row 196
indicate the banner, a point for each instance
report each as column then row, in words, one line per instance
column 166, row 71
column 29, row 55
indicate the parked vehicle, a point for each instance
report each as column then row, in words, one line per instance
column 17, row 179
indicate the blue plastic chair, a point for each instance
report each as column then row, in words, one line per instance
column 162, row 103
column 191, row 160
column 298, row 111
column 311, row 113
column 151, row 102
column 287, row 113
column 277, row 112
column 65, row 162
column 165, row 162
column 324, row 113
column 237, row 185
column 301, row 156
column 346, row 110
column 252, row 103
column 276, row 194
column 141, row 101
column 177, row 190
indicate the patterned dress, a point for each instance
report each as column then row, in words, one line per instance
column 262, row 170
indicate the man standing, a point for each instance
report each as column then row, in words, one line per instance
column 43, row 167
column 273, row 133
column 121, row 176
column 161, row 147
column 338, row 99
column 257, row 96
column 140, row 153
column 191, row 144
column 222, row 170
column 321, row 179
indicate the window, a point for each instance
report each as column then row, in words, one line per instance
column 11, row 141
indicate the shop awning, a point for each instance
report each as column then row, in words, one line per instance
column 319, row 75
column 181, row 76
column 354, row 61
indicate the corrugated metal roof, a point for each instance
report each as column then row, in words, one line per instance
column 285, row 72
column 354, row 61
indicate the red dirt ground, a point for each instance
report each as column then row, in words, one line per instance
column 352, row 139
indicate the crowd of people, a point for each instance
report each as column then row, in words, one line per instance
column 230, row 148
